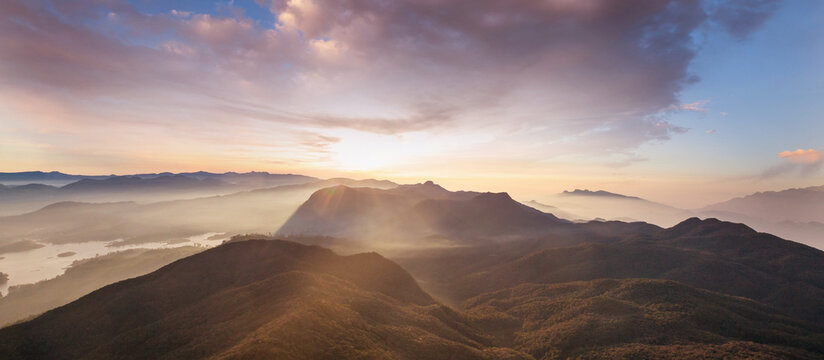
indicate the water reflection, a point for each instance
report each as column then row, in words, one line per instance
column 45, row 263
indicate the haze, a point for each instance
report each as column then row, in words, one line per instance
column 412, row 179
column 684, row 103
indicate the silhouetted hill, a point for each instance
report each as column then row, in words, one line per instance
column 486, row 215
column 554, row 210
column 253, row 179
column 635, row 318
column 28, row 189
column 416, row 211
column 709, row 254
column 801, row 205
column 278, row 299
column 695, row 227
column 795, row 214
column 41, row 176
column 602, row 193
column 344, row 211
column 600, row 204
column 262, row 179
column 254, row 299
column 136, row 183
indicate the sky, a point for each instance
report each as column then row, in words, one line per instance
column 682, row 102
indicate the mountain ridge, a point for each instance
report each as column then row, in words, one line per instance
column 267, row 298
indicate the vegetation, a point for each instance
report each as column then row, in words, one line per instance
column 83, row 277
column 252, row 298
column 639, row 318
column 249, row 299
column 709, row 254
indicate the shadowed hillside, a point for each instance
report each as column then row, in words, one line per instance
column 252, row 299
column 635, row 318
column 710, row 254
column 278, row 299
column 83, row 277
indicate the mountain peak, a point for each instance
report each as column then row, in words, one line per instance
column 500, row 197
column 600, row 193
column 708, row 227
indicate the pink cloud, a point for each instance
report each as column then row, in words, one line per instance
column 801, row 156
column 697, row 106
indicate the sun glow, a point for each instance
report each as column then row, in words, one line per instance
column 359, row 151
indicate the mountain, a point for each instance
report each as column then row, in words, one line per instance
column 796, row 214
column 261, row 179
column 278, row 299
column 554, row 210
column 83, row 277
column 252, row 211
column 253, row 179
column 139, row 184
column 485, row 215
column 709, row 254
column 600, row 204
column 344, row 211
column 142, row 188
column 598, row 193
column 798, row 205
column 409, row 213
column 41, row 177
column 255, row 299
column 639, row 319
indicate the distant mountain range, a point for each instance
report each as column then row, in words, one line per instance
column 260, row 210
column 604, row 205
column 141, row 187
column 40, row 177
column 797, row 205
column 601, row 193
column 472, row 276
column 796, row 214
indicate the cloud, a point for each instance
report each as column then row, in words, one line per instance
column 710, row 131
column 800, row 162
column 697, row 106
column 599, row 71
column 801, row 156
